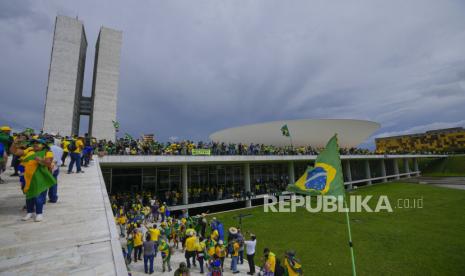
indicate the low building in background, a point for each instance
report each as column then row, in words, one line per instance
column 449, row 140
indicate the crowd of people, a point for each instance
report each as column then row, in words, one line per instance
column 148, row 227
column 130, row 146
column 204, row 193
column 36, row 160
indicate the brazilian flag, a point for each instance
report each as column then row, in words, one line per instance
column 326, row 177
column 128, row 137
column 285, row 131
column 37, row 177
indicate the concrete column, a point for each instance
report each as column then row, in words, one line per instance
column 291, row 172
column 396, row 168
column 185, row 196
column 111, row 179
column 248, row 202
column 406, row 167
column 383, row 170
column 367, row 171
column 142, row 179
column 348, row 173
column 415, row 166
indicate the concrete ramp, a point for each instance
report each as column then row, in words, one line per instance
column 77, row 236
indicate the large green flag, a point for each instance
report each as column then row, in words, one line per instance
column 285, row 131
column 326, row 177
column 37, row 177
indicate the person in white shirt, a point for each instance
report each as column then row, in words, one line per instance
column 54, row 145
column 250, row 246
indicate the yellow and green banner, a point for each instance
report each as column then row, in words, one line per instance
column 201, row 152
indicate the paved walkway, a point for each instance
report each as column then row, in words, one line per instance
column 76, row 237
column 447, row 182
column 137, row 269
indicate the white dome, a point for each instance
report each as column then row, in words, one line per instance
column 304, row 132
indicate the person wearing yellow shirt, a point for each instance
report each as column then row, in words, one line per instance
column 214, row 235
column 191, row 248
column 292, row 265
column 270, row 260
column 201, row 254
column 64, row 145
column 210, row 245
column 235, row 256
column 220, row 251
column 138, row 242
column 37, row 175
column 122, row 224
column 162, row 211
column 154, row 233
column 75, row 154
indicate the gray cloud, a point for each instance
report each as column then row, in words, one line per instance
column 191, row 68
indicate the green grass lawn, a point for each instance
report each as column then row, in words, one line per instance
column 427, row 241
column 450, row 166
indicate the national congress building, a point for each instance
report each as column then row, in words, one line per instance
column 65, row 102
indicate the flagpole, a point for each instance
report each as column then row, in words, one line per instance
column 351, row 246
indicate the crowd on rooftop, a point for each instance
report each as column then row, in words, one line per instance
column 129, row 146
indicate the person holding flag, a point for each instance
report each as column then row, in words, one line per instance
column 165, row 250
column 326, row 179
column 292, row 266
column 38, row 178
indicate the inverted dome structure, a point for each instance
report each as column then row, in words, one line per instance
column 304, row 132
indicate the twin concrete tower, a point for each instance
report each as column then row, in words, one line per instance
column 64, row 101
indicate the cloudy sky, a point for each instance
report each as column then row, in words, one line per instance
column 189, row 68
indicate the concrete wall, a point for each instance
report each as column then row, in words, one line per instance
column 66, row 74
column 137, row 160
column 105, row 83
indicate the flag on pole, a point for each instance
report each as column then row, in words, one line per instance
column 128, row 137
column 285, row 131
column 326, row 177
column 115, row 125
